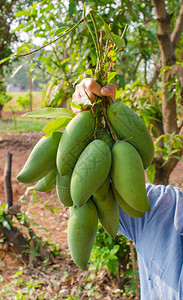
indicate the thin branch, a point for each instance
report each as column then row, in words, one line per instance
column 145, row 71
column 178, row 29
column 155, row 77
column 136, row 67
column 42, row 47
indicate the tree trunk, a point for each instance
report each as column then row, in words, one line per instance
column 167, row 44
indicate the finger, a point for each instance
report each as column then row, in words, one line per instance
column 77, row 95
column 91, row 96
column 109, row 90
column 80, row 92
column 92, row 87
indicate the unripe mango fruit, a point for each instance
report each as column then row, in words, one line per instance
column 128, row 177
column 128, row 126
column 82, row 230
column 125, row 207
column 47, row 183
column 105, row 137
column 108, row 213
column 101, row 192
column 75, row 138
column 63, row 189
column 41, row 160
column 90, row 171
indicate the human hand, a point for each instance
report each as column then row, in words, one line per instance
column 90, row 87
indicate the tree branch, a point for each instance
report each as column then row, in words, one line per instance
column 178, row 29
column 136, row 67
column 155, row 77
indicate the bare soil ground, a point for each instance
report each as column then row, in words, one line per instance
column 62, row 278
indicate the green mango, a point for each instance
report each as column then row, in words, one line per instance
column 63, row 189
column 125, row 207
column 75, row 138
column 101, row 192
column 108, row 213
column 90, row 171
column 105, row 137
column 82, row 230
column 47, row 183
column 128, row 126
column 128, row 177
column 41, row 160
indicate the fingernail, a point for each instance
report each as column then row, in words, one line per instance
column 105, row 89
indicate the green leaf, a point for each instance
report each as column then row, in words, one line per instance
column 61, row 30
column 51, row 209
column 113, row 55
column 6, row 225
column 50, row 113
column 23, row 47
column 48, row 8
column 23, row 13
column 58, row 124
column 107, row 29
column 151, row 173
column 177, row 157
column 119, row 42
column 29, row 28
column 110, row 76
column 2, row 61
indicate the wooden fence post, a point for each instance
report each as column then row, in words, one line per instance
column 7, row 180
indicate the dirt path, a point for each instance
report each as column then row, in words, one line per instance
column 41, row 213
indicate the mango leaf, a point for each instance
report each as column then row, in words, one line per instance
column 110, row 76
column 23, row 13
column 2, row 61
column 107, row 29
column 113, row 55
column 151, row 173
column 47, row 8
column 119, row 42
column 29, row 28
column 58, row 124
column 61, row 30
column 50, row 113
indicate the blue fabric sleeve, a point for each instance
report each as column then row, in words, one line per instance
column 162, row 201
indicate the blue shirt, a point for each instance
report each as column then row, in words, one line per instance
column 158, row 238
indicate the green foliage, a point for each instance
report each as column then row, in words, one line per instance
column 21, row 125
column 5, row 219
column 172, row 147
column 62, row 117
column 108, row 252
column 24, row 101
column 4, row 97
column 21, row 289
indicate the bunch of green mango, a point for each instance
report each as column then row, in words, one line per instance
column 94, row 173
